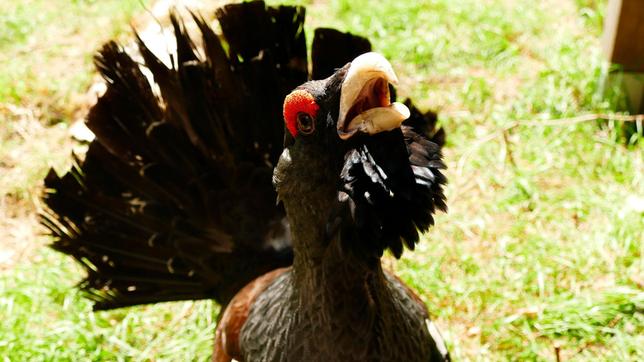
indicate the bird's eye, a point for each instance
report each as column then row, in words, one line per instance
column 305, row 123
column 300, row 110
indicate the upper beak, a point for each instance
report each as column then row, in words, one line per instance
column 364, row 98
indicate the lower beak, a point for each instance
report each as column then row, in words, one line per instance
column 364, row 99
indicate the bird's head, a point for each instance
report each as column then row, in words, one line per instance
column 346, row 163
column 354, row 99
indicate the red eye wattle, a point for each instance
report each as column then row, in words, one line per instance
column 299, row 101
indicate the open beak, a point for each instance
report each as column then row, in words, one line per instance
column 364, row 98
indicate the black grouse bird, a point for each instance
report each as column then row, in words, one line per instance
column 176, row 197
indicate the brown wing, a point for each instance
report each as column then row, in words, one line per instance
column 234, row 316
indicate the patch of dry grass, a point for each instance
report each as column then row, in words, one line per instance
column 28, row 147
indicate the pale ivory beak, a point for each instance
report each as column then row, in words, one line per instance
column 364, row 98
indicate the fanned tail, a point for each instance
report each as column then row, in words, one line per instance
column 173, row 199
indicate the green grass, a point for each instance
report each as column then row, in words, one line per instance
column 541, row 249
column 46, row 48
column 44, row 318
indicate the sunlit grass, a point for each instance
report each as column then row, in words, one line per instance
column 45, row 318
column 46, row 48
column 541, row 250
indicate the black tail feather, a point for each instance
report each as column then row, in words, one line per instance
column 333, row 49
column 174, row 198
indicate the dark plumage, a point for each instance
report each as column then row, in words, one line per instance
column 176, row 197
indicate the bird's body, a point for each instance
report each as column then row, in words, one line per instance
column 176, row 196
column 372, row 318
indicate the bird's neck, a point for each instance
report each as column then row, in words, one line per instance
column 322, row 268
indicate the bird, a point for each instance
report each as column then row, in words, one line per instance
column 236, row 174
